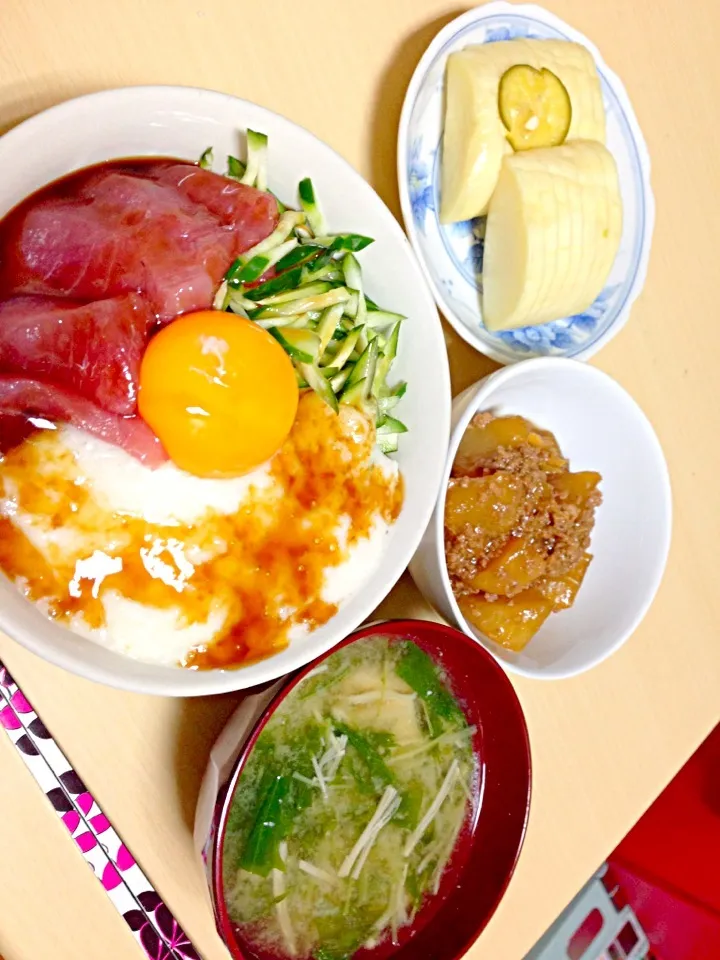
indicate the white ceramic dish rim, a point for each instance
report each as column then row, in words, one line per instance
column 455, row 26
column 483, row 388
column 223, row 681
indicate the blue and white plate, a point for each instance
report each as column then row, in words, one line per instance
column 451, row 254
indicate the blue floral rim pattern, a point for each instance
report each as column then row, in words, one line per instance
column 463, row 242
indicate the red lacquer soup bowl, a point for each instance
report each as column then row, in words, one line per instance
column 489, row 845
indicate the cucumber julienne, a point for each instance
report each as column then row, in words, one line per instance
column 341, row 343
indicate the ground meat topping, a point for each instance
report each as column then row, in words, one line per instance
column 509, row 485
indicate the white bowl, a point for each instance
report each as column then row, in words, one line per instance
column 182, row 122
column 451, row 254
column 599, row 427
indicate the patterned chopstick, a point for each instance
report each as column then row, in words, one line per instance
column 154, row 927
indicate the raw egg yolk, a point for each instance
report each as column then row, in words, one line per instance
column 219, row 391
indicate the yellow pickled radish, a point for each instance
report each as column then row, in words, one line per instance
column 475, row 138
column 534, row 107
column 553, row 230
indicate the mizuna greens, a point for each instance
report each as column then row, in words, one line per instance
column 305, row 285
column 350, row 805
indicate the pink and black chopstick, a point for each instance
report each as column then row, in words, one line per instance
column 153, row 925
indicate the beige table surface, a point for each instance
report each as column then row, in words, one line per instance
column 604, row 744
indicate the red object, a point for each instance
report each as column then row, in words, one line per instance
column 164, row 229
column 487, row 851
column 252, row 214
column 114, row 233
column 93, row 349
column 668, row 867
column 584, row 935
column 139, row 240
column 31, row 397
column 677, row 840
column 677, row 927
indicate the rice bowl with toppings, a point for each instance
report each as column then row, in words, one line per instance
column 313, row 539
column 158, row 564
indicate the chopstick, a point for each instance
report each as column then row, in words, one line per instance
column 155, row 929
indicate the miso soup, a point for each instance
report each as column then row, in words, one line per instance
column 349, row 807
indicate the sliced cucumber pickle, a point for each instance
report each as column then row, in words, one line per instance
column 534, row 107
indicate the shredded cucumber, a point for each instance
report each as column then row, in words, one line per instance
column 345, row 351
column 303, row 304
column 351, row 305
column 353, row 281
column 285, row 281
column 353, row 393
column 309, row 203
column 288, row 221
column 256, row 171
column 314, row 271
column 390, row 425
column 320, row 385
column 306, row 290
column 328, row 325
column 386, row 361
column 386, row 404
column 301, row 255
column 220, row 300
column 247, row 271
column 364, row 369
column 235, row 168
column 339, row 380
column 206, row 159
column 305, row 286
column 342, row 242
column 297, row 320
column 236, row 302
column 302, row 345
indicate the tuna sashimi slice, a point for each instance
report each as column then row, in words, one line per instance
column 252, row 214
column 32, row 398
column 93, row 349
column 185, row 250
column 68, row 248
column 122, row 233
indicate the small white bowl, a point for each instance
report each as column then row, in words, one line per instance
column 451, row 254
column 599, row 427
column 182, row 122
